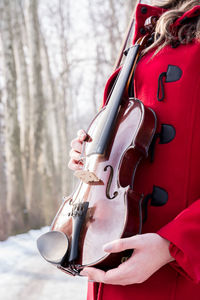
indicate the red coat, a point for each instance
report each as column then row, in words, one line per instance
column 175, row 169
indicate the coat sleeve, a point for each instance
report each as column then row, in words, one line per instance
column 184, row 234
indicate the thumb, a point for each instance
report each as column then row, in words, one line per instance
column 122, row 244
column 93, row 274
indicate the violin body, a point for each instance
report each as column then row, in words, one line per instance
column 114, row 209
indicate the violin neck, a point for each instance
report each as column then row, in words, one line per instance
column 123, row 79
column 105, row 128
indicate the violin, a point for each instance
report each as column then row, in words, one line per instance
column 105, row 207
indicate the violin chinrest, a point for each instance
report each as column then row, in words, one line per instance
column 53, row 246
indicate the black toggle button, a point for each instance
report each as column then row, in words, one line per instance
column 142, row 30
column 158, row 197
column 167, row 133
column 143, row 9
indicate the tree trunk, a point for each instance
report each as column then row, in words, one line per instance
column 15, row 185
column 52, row 141
column 23, row 91
column 66, row 87
column 35, row 203
column 3, row 195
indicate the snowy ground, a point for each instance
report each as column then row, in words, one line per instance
column 25, row 275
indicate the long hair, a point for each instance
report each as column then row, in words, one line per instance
column 165, row 34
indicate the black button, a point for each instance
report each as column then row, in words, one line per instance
column 142, row 30
column 143, row 9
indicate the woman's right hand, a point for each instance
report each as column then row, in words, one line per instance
column 75, row 162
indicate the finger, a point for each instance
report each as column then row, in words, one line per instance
column 93, row 274
column 119, row 275
column 82, row 135
column 77, row 145
column 75, row 155
column 123, row 244
column 75, row 165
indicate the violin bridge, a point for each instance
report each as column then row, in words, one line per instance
column 88, row 177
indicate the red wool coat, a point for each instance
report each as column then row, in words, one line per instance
column 175, row 168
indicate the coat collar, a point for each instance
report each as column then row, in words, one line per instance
column 144, row 11
column 188, row 15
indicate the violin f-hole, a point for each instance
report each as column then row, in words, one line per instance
column 109, row 183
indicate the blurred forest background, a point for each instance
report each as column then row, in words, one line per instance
column 55, row 58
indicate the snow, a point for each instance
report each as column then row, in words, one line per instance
column 24, row 274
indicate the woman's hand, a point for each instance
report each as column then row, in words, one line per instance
column 151, row 252
column 75, row 154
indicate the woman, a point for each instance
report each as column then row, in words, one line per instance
column 166, row 260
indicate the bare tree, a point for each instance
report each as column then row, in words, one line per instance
column 34, row 202
column 23, row 88
column 3, row 184
column 65, row 91
column 51, row 139
column 15, row 186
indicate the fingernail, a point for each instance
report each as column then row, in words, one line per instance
column 83, row 273
column 107, row 248
column 82, row 136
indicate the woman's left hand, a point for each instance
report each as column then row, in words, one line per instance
column 151, row 252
